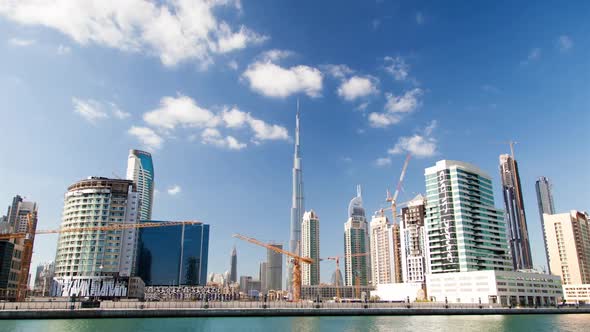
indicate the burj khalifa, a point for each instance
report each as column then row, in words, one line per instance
column 297, row 207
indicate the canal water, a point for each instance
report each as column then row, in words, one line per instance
column 577, row 322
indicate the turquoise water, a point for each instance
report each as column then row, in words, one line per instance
column 578, row 322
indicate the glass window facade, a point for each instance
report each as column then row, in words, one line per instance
column 173, row 256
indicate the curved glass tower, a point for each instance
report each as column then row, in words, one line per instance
column 140, row 169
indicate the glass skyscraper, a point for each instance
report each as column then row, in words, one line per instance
column 518, row 235
column 173, row 255
column 356, row 243
column 546, row 205
column 140, row 169
column 465, row 231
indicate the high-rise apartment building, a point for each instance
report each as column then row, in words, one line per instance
column 568, row 244
column 310, row 247
column 356, row 244
column 297, row 201
column 140, row 169
column 465, row 231
column 15, row 270
column 413, row 238
column 274, row 272
column 98, row 201
column 546, row 206
column 381, row 244
column 233, row 272
column 262, row 277
column 518, row 235
column 173, row 255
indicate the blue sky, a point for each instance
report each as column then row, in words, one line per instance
column 211, row 87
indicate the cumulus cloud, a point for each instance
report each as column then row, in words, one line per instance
column 21, row 42
column 173, row 30
column 174, row 190
column 93, row 111
column 179, row 111
column 358, row 87
column 183, row 112
column 337, row 71
column 419, row 145
column 275, row 55
column 564, row 43
column 395, row 107
column 397, row 67
column 147, row 136
column 274, row 81
column 214, row 137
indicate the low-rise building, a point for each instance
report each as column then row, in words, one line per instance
column 508, row 288
column 576, row 293
column 399, row 292
column 329, row 292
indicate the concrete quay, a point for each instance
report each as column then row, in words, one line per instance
column 270, row 312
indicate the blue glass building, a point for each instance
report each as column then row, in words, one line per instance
column 173, row 255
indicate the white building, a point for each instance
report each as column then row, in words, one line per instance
column 382, row 260
column 400, row 292
column 140, row 169
column 413, row 238
column 495, row 287
column 310, row 247
column 98, row 201
column 579, row 293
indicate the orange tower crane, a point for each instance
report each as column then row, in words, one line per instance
column 295, row 259
column 29, row 238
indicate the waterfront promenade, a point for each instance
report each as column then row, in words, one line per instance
column 108, row 309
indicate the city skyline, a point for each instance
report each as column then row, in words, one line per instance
column 450, row 103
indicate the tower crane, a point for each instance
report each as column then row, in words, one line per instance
column 296, row 260
column 336, row 259
column 396, row 227
column 28, row 239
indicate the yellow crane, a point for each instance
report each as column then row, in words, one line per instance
column 295, row 259
column 28, row 239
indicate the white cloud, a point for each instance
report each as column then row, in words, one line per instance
column 337, row 71
column 419, row 145
column 148, row 137
column 230, row 41
column 91, row 110
column 397, row 67
column 183, row 112
column 180, row 111
column 564, row 43
column 21, row 42
column 395, row 107
column 357, row 87
column 275, row 81
column 382, row 120
column 118, row 113
column 363, row 106
column 174, row 190
column 213, row 136
column 419, row 18
column 406, row 103
column 275, row 55
column 63, row 50
column 382, row 162
column 173, row 30
column 233, row 64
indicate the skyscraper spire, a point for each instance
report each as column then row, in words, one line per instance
column 297, row 206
